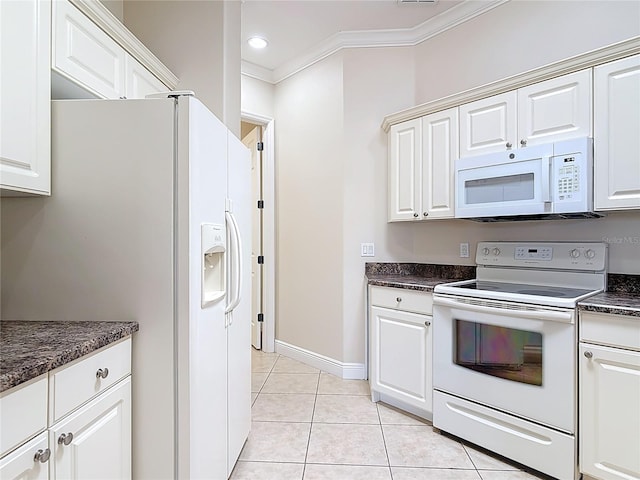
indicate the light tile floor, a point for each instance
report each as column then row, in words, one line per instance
column 311, row 425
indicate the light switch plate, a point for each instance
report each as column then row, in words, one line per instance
column 367, row 250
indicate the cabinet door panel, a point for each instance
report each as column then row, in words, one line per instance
column 609, row 412
column 401, row 356
column 616, row 140
column 140, row 81
column 439, row 151
column 405, row 144
column 557, row 109
column 101, row 445
column 488, row 125
column 25, row 91
column 83, row 52
column 21, row 464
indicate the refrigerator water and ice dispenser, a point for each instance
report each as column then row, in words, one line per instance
column 213, row 247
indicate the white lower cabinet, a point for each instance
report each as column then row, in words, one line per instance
column 95, row 441
column 28, row 462
column 610, row 397
column 400, row 349
column 90, row 438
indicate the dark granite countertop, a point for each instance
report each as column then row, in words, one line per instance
column 29, row 349
column 612, row 302
column 416, row 276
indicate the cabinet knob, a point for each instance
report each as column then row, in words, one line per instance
column 509, row 145
column 398, row 299
column 65, row 438
column 427, row 323
column 415, row 215
column 426, row 214
column 523, row 142
column 102, row 373
column 42, row 456
column 588, row 354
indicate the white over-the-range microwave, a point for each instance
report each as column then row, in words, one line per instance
column 553, row 180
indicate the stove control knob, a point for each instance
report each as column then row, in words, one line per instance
column 485, row 251
column 589, row 253
column 496, row 251
column 575, row 253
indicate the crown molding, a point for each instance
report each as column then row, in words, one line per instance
column 256, row 71
column 401, row 37
column 103, row 18
column 589, row 59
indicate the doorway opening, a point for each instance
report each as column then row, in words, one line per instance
column 257, row 135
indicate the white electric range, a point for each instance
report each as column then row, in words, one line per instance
column 505, row 347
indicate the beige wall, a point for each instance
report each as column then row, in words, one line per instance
column 199, row 41
column 320, row 271
column 115, row 7
column 257, row 97
column 310, row 201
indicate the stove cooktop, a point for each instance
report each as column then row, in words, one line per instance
column 523, row 289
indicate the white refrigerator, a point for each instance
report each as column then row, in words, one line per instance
column 149, row 220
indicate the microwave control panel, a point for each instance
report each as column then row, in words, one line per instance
column 567, row 175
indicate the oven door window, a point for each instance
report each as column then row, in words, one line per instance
column 507, row 353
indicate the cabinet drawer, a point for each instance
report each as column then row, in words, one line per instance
column 16, row 426
column 614, row 330
column 78, row 382
column 401, row 299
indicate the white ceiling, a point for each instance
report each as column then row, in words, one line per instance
column 299, row 30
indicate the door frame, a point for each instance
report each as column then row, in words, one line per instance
column 268, row 227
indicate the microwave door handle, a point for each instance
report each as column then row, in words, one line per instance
column 546, row 179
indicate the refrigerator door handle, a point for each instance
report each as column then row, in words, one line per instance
column 236, row 264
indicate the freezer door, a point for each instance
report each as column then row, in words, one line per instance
column 239, row 332
column 201, row 190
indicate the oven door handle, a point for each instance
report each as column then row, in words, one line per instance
column 530, row 313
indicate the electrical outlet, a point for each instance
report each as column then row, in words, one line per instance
column 367, row 250
column 464, row 250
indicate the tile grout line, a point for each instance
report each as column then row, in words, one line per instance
column 313, row 412
column 384, row 442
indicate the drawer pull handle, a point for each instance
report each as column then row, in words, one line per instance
column 588, row 354
column 427, row 323
column 65, row 438
column 102, row 373
column 42, row 456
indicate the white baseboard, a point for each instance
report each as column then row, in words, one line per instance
column 348, row 371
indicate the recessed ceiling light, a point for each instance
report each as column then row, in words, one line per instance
column 257, row 42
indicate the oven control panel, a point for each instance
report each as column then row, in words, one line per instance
column 590, row 256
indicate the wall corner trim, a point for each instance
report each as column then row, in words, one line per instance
column 347, row 371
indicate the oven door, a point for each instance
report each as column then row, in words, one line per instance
column 517, row 358
column 496, row 185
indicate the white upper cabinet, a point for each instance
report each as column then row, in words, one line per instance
column 439, row 151
column 405, row 146
column 557, row 109
column 140, row 82
column 549, row 111
column 88, row 62
column 488, row 125
column 25, row 138
column 421, row 156
column 82, row 52
column 617, row 134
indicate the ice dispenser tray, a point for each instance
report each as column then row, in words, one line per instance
column 213, row 244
